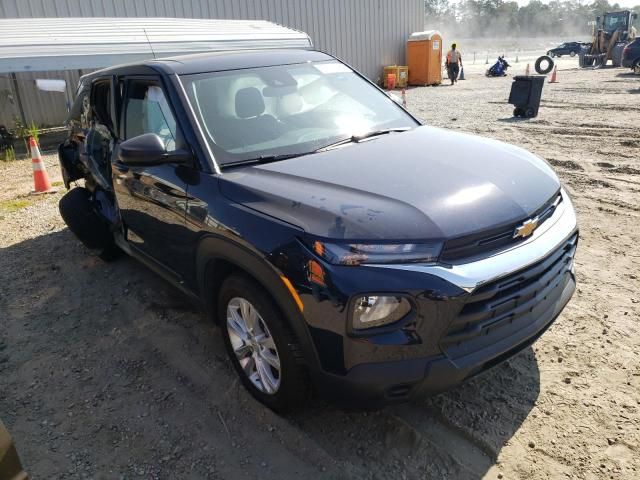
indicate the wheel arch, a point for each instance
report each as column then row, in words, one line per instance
column 218, row 257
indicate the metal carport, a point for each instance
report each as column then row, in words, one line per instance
column 36, row 47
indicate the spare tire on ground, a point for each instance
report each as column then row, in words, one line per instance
column 546, row 59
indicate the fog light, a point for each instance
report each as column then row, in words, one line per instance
column 376, row 310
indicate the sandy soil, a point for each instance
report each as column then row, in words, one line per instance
column 106, row 371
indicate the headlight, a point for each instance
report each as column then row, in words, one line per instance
column 358, row 253
column 377, row 310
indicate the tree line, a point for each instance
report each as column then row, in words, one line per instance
column 498, row 18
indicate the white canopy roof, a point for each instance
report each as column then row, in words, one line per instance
column 45, row 44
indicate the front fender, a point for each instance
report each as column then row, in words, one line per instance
column 212, row 249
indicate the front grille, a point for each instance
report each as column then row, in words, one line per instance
column 501, row 308
column 493, row 240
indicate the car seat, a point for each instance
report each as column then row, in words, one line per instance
column 254, row 125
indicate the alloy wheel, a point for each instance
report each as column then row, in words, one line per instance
column 253, row 345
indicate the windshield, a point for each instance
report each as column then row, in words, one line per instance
column 613, row 21
column 287, row 109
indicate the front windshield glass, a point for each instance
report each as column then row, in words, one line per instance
column 287, row 109
column 613, row 21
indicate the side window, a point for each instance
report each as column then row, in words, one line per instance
column 147, row 111
column 97, row 114
column 101, row 98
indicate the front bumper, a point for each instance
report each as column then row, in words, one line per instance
column 379, row 384
column 469, row 316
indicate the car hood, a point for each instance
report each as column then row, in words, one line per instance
column 424, row 184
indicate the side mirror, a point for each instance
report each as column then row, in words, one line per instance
column 148, row 149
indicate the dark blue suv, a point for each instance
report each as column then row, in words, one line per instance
column 343, row 247
column 631, row 55
column 567, row 48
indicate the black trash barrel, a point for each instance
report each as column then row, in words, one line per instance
column 525, row 95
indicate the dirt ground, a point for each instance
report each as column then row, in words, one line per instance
column 106, row 371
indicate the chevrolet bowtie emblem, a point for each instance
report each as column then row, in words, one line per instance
column 526, row 228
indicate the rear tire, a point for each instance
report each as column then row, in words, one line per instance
column 572, row 54
column 263, row 343
column 77, row 211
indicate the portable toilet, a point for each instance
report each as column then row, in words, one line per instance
column 424, row 58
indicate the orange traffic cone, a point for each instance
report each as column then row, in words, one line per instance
column 526, row 72
column 40, row 178
column 554, row 75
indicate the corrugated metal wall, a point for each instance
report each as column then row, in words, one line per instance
column 367, row 34
column 43, row 108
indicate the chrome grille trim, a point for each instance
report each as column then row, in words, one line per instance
column 468, row 276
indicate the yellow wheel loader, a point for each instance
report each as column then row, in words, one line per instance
column 610, row 35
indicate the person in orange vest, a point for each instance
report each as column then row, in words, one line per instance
column 454, row 62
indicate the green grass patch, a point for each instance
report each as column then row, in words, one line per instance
column 14, row 205
column 56, row 184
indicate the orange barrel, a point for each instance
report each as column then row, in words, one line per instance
column 391, row 81
column 401, row 73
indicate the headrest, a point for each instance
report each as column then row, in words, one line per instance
column 249, row 103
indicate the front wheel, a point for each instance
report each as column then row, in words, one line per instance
column 261, row 345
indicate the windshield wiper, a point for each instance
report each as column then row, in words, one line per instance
column 351, row 139
column 266, row 159
column 359, row 138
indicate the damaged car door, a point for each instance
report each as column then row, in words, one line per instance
column 147, row 164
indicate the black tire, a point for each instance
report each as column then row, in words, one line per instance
column 518, row 112
column 77, row 212
column 294, row 389
column 573, row 53
column 538, row 65
column 529, row 113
